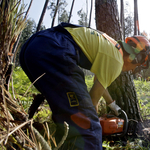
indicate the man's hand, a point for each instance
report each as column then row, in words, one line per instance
column 114, row 107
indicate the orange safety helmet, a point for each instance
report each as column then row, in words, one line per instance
column 139, row 49
column 139, row 41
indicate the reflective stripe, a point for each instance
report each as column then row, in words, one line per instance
column 117, row 45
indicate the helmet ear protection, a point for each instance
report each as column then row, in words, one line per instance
column 134, row 55
column 139, row 58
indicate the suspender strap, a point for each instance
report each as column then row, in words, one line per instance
column 117, row 45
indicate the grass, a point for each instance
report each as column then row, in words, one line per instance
column 143, row 94
column 89, row 80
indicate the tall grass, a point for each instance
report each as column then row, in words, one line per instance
column 143, row 94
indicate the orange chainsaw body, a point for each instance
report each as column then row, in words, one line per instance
column 111, row 124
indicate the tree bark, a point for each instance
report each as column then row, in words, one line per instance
column 107, row 19
column 122, row 89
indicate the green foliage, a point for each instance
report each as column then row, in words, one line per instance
column 29, row 30
column 44, row 115
column 21, row 83
column 142, row 86
column 63, row 17
column 131, row 145
column 146, row 74
column 83, row 18
column 107, row 146
column 143, row 95
column 89, row 80
column 12, row 19
column 128, row 21
column 62, row 13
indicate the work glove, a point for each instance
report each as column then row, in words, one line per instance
column 114, row 107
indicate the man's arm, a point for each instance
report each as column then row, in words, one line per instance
column 107, row 97
column 96, row 92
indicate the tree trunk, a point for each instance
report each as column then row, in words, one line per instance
column 122, row 89
column 71, row 11
column 42, row 15
column 56, row 9
column 136, row 21
column 122, row 18
column 107, row 19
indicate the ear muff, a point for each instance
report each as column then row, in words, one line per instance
column 145, row 64
column 139, row 58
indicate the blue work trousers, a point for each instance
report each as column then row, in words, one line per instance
column 53, row 53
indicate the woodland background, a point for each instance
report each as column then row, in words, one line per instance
column 17, row 93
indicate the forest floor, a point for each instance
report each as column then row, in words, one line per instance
column 143, row 132
column 139, row 138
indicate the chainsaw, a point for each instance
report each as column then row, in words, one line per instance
column 114, row 126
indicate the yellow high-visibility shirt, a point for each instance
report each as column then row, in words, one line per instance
column 107, row 61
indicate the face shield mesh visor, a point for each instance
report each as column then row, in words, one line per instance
column 144, row 65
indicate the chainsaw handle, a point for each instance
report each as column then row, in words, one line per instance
column 125, row 127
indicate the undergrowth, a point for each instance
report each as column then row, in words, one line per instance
column 143, row 95
column 21, row 83
column 20, row 86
